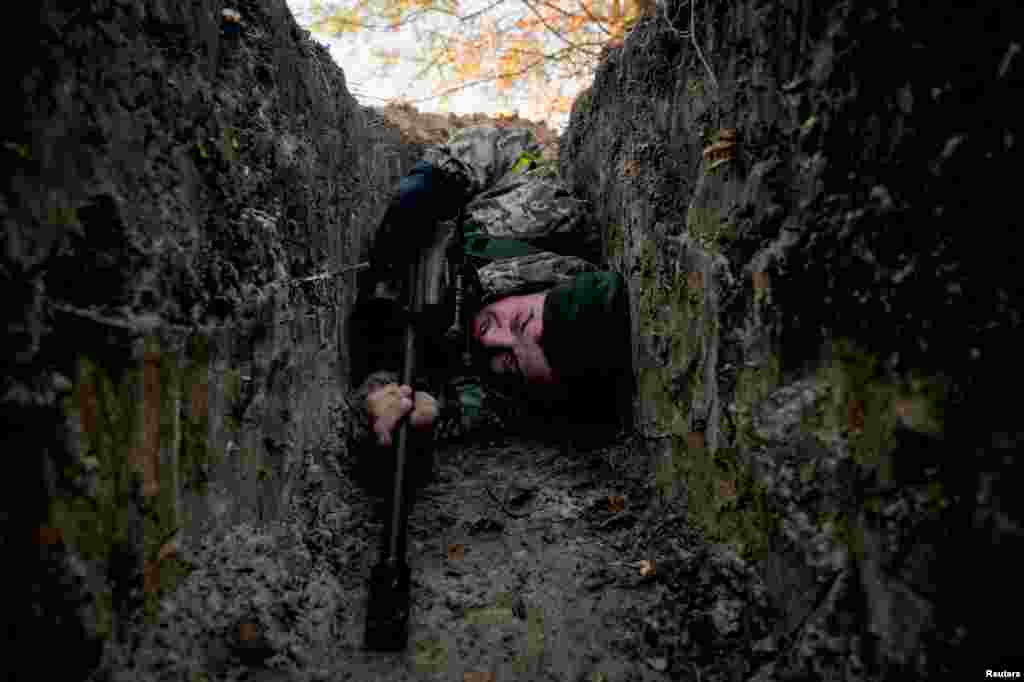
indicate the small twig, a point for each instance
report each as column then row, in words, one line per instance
column 692, row 35
column 700, row 53
column 150, row 323
column 820, row 598
column 502, row 506
column 668, row 22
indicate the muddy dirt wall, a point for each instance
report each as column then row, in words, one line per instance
column 182, row 195
column 811, row 203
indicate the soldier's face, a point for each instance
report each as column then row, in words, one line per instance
column 511, row 328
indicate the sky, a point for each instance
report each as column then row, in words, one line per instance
column 353, row 53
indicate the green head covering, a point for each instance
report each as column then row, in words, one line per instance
column 586, row 326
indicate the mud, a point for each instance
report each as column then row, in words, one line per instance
column 528, row 564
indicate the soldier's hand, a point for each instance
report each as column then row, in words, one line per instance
column 388, row 404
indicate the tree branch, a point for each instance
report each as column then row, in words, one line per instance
column 433, row 62
column 462, row 86
column 597, row 22
column 482, row 11
column 548, row 26
column 558, row 9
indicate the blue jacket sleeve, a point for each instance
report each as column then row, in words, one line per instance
column 425, row 197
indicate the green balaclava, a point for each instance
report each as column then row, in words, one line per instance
column 586, row 327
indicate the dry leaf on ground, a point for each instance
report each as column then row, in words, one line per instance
column 478, row 677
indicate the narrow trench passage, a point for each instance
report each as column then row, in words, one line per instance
column 561, row 593
column 545, row 596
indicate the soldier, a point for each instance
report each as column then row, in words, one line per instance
column 549, row 333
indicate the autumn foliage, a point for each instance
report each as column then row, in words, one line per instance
column 530, row 47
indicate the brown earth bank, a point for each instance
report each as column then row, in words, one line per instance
column 425, row 128
column 812, row 204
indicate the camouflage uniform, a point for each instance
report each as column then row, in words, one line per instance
column 513, row 221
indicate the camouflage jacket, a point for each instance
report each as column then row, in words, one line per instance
column 523, row 232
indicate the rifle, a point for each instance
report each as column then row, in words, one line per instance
column 387, row 613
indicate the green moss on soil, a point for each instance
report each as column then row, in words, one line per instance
column 430, row 655
column 232, row 385
column 862, row 404
column 534, row 640
column 614, row 241
column 583, row 102
column 93, row 526
column 724, row 500
column 196, row 453
column 230, row 143
column 753, row 384
column 63, row 216
column 705, row 224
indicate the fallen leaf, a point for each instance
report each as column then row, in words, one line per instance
column 151, row 577
column 904, row 408
column 168, row 551
column 616, row 503
column 646, row 567
column 631, row 168
column 727, row 489
column 856, row 415
column 247, row 632
column 695, row 440
column 761, row 280
column 456, row 551
column 695, row 280
column 48, row 535
column 478, row 677
column 724, row 149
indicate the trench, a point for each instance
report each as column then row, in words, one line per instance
column 581, row 573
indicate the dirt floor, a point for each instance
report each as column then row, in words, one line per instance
column 594, row 580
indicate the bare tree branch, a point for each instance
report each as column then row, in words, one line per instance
column 462, row 86
column 433, row 62
column 411, row 18
column 482, row 11
column 558, row 9
column 549, row 28
column 597, row 22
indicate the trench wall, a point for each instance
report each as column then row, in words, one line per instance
column 820, row 258
column 182, row 199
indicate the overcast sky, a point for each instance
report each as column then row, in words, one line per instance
column 352, row 53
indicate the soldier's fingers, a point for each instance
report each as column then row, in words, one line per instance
column 426, row 410
column 383, row 395
column 405, row 390
column 382, row 427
